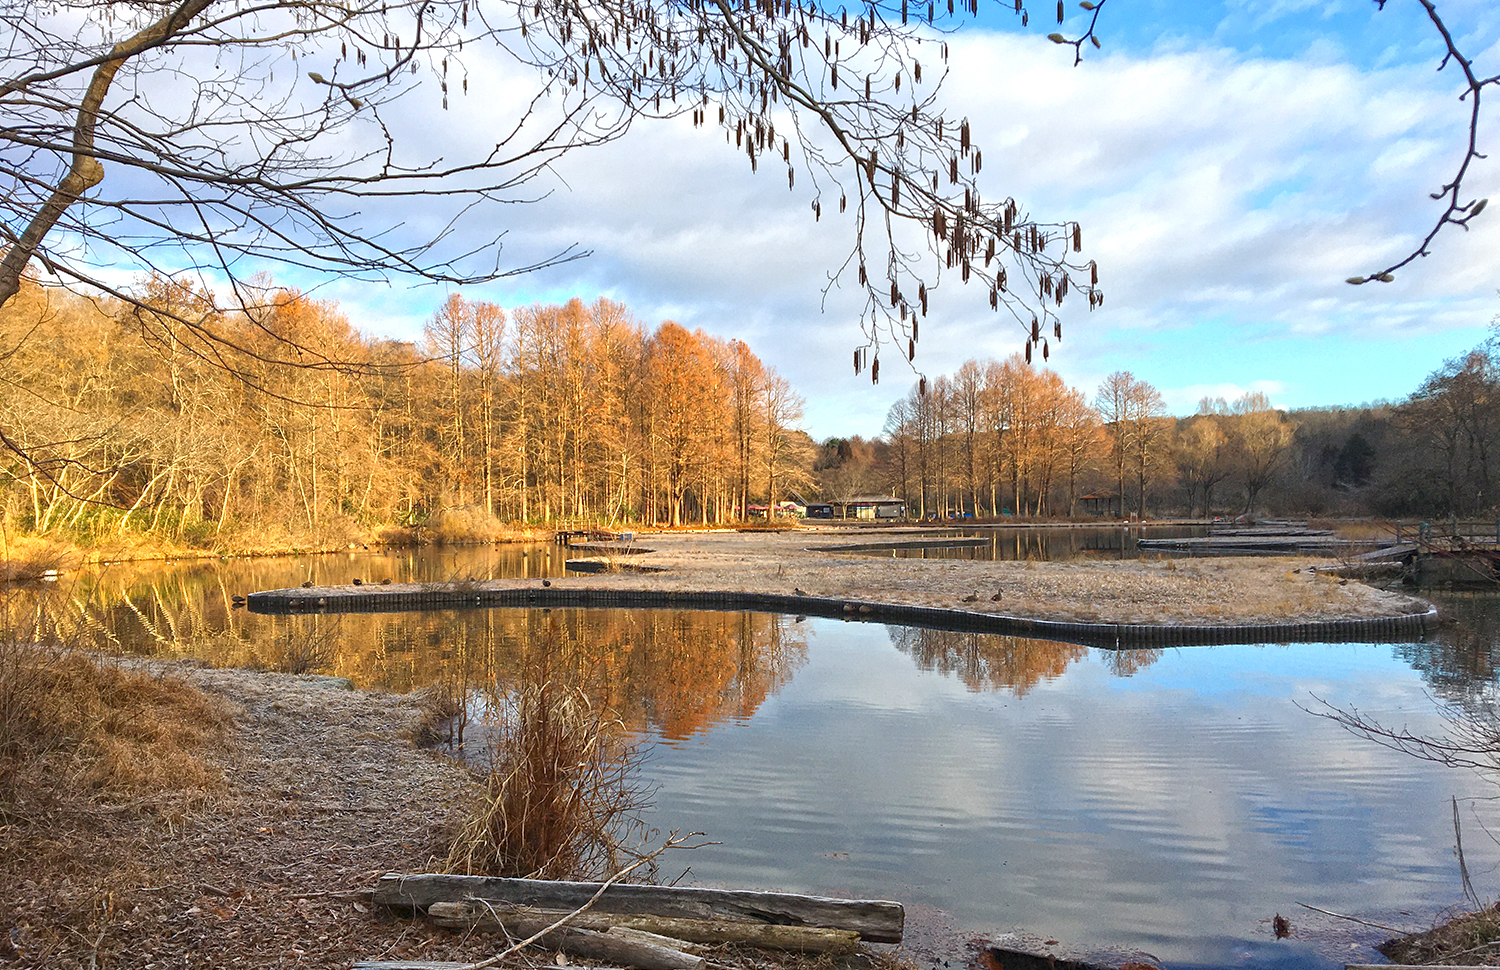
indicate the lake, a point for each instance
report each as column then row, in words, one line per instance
column 1168, row 800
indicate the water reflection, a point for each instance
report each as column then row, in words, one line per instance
column 1461, row 661
column 670, row 672
column 1041, row 544
column 1166, row 799
column 984, row 661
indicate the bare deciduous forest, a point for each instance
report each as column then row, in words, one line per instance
column 1006, row 438
column 547, row 414
column 582, row 414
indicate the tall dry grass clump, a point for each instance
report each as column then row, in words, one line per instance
column 562, row 797
column 69, row 724
column 461, row 524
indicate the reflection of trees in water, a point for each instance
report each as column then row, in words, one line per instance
column 676, row 672
column 1127, row 663
column 984, row 661
column 1460, row 661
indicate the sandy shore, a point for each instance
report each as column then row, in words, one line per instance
column 1226, row 590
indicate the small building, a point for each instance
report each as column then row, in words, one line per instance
column 869, row 507
column 1101, row 504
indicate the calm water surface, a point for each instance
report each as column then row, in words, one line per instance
column 1168, row 800
column 1013, row 543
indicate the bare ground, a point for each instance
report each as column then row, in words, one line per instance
column 321, row 792
column 1201, row 590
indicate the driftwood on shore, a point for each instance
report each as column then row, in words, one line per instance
column 876, row 921
column 655, row 953
column 643, row 927
column 676, row 932
column 441, row 965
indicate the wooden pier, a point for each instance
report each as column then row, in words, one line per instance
column 1451, row 552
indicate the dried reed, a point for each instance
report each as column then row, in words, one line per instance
column 562, row 796
column 444, row 714
column 68, row 720
column 298, row 651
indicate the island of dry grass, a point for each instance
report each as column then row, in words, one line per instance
column 1227, row 590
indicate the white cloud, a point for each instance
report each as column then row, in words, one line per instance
column 1210, row 186
column 1184, row 400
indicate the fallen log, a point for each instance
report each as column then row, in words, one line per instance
column 525, row 920
column 771, row 936
column 443, row 965
column 878, row 921
column 519, row 921
column 617, row 949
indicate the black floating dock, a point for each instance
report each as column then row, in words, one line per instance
column 451, row 596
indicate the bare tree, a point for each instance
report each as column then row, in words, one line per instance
column 1260, row 437
column 112, row 161
column 1133, row 411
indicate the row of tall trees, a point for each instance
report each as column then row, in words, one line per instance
column 1009, row 438
column 577, row 412
column 1005, row 437
column 995, row 436
column 542, row 414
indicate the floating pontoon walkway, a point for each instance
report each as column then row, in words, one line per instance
column 407, row 597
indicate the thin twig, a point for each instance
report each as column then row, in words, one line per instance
column 1463, row 867
column 1354, row 919
column 671, row 843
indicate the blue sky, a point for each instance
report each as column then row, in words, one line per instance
column 1231, row 163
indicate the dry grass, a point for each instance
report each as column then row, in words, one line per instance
column 298, row 651
column 460, row 524
column 68, row 720
column 443, row 715
column 1356, row 529
column 1472, row 939
column 29, row 558
column 561, row 796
